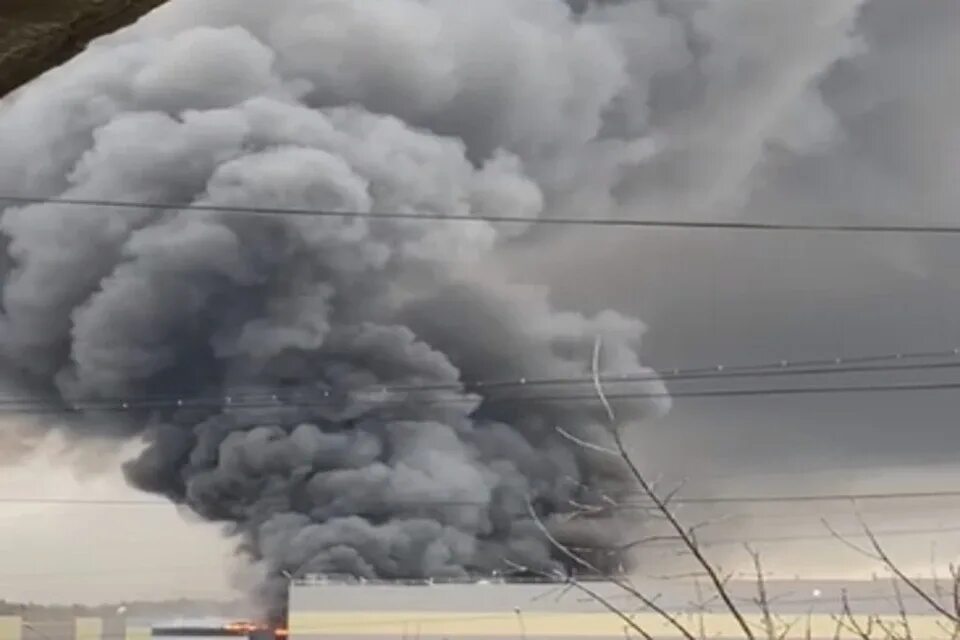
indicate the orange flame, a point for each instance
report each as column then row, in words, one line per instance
column 249, row 627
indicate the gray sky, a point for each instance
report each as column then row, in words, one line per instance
column 728, row 298
column 875, row 137
column 724, row 298
column 98, row 553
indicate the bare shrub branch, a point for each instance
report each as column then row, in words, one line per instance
column 762, row 600
column 701, row 607
column 625, row 586
column 902, row 610
column 594, row 595
column 585, row 444
column 847, row 620
column 878, row 553
column 686, row 537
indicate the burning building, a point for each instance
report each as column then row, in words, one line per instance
column 237, row 629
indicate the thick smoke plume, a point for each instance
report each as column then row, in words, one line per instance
column 276, row 335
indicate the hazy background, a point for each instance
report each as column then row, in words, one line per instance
column 93, row 553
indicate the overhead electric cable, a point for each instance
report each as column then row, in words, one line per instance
column 270, row 395
column 511, row 219
column 730, row 499
column 218, row 403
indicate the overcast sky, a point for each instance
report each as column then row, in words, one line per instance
column 889, row 152
column 723, row 298
column 97, row 553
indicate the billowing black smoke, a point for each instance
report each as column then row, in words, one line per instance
column 313, row 380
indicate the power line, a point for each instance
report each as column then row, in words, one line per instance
column 271, row 393
column 812, row 537
column 822, row 497
column 507, row 219
column 591, row 398
column 733, row 499
column 732, row 393
column 735, row 516
column 36, row 407
column 715, row 373
column 835, row 364
column 772, row 391
column 779, row 368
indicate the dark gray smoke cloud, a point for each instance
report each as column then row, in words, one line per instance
column 384, row 106
column 647, row 108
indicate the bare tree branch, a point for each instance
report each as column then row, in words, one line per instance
column 889, row 633
column 709, row 523
column 786, row 626
column 586, row 444
column 677, row 576
column 625, row 586
column 576, row 584
column 762, row 601
column 947, row 632
column 852, row 624
column 877, row 552
column 843, row 540
column 838, row 629
column 598, row 387
column 955, row 589
column 902, row 610
column 561, row 590
column 685, row 537
column 955, row 576
column 641, row 541
column 937, row 588
column 891, row 630
column 701, row 609
column 670, row 496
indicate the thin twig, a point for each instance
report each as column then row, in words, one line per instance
column 688, row 541
column 854, row 625
column 701, row 608
column 937, row 588
column 670, row 496
column 625, row 586
column 902, row 610
column 786, row 626
column 843, row 540
column 880, row 554
column 576, row 584
column 838, row 629
column 906, row 579
column 643, row 541
column 586, row 444
column 675, row 576
column 953, row 629
column 762, row 601
column 955, row 575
